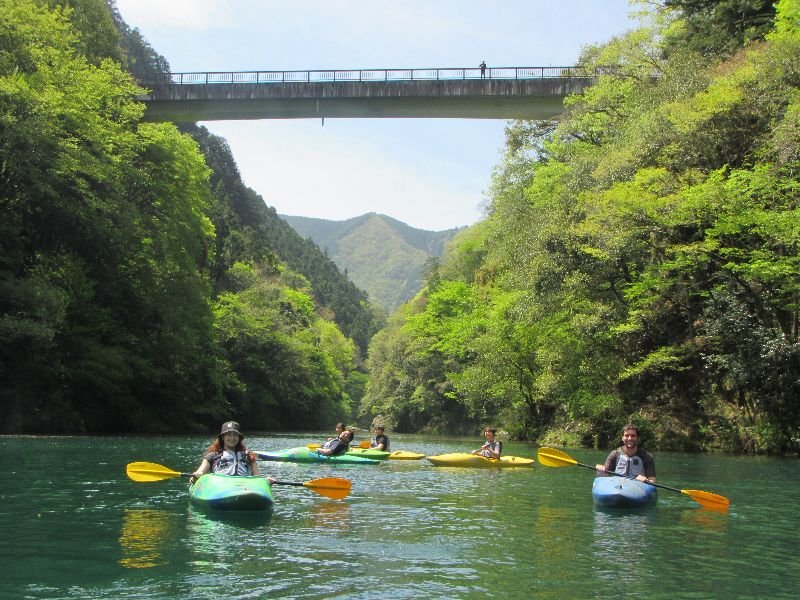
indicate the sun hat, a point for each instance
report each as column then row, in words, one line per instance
column 229, row 426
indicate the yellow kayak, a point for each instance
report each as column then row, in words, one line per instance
column 404, row 455
column 465, row 459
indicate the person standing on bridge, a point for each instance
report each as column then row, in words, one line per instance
column 483, row 69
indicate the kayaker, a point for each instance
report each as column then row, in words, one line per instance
column 491, row 448
column 228, row 455
column 340, row 427
column 380, row 441
column 630, row 460
column 337, row 445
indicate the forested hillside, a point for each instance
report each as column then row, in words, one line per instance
column 142, row 286
column 381, row 255
column 640, row 259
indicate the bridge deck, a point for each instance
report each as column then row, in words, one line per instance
column 505, row 93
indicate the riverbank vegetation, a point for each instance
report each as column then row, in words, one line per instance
column 142, row 286
column 639, row 259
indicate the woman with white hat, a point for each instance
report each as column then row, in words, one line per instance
column 227, row 455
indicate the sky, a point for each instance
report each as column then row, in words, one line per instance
column 429, row 173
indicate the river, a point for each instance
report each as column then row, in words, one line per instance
column 74, row 526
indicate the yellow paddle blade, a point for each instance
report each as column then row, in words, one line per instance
column 147, row 471
column 550, row 457
column 330, row 487
column 364, row 444
column 708, row 499
column 313, row 446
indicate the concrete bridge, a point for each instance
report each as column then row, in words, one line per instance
column 464, row 93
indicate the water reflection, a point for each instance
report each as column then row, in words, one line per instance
column 330, row 514
column 621, row 543
column 706, row 520
column 144, row 538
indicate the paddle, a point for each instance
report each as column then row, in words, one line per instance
column 550, row 457
column 330, row 487
column 364, row 444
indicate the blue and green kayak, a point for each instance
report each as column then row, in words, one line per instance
column 621, row 492
column 227, row 492
column 302, row 454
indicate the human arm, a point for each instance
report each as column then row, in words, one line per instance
column 490, row 449
column 332, row 448
column 649, row 469
column 205, row 467
column 255, row 471
column 493, row 449
column 607, row 468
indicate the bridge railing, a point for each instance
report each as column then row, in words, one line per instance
column 369, row 75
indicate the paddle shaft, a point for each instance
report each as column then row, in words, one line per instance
column 611, row 473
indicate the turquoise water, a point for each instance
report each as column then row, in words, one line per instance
column 74, row 526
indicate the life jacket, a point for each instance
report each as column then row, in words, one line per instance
column 629, row 466
column 495, row 446
column 231, row 463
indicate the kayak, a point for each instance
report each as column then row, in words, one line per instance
column 465, row 459
column 227, row 492
column 368, row 453
column 381, row 455
column 304, row 455
column 621, row 492
column 405, row 455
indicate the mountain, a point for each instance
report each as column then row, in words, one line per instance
column 380, row 254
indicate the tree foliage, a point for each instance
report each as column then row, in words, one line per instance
column 142, row 286
column 639, row 260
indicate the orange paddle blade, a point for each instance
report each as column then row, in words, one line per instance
column 708, row 499
column 330, row 487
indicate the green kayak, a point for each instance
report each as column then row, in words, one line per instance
column 368, row 453
column 304, row 455
column 227, row 492
column 381, row 455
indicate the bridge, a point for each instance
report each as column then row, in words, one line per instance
column 534, row 93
